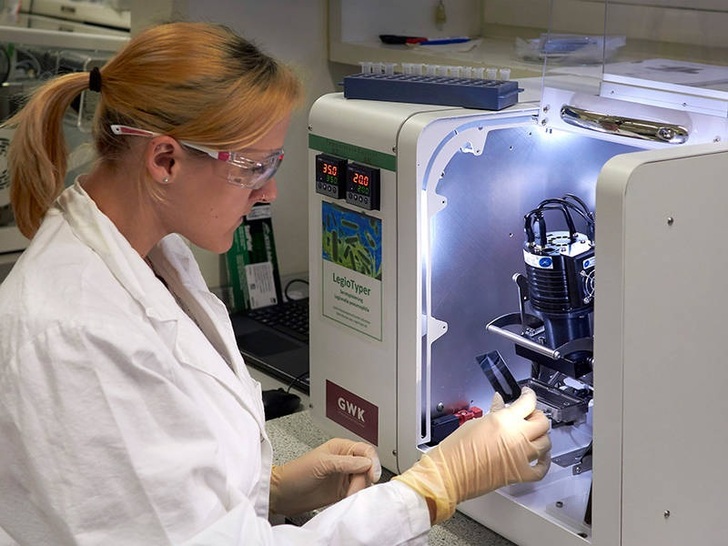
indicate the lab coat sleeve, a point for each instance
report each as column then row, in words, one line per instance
column 389, row 513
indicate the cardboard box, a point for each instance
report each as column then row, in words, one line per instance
column 252, row 264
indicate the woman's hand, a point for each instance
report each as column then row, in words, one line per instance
column 508, row 445
column 322, row 476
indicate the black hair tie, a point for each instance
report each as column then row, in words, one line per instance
column 94, row 79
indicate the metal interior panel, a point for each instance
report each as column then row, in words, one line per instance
column 476, row 244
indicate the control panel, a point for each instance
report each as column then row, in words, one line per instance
column 339, row 178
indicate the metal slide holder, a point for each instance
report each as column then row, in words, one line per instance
column 628, row 127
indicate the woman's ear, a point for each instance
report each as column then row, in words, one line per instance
column 161, row 155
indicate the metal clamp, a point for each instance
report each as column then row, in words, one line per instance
column 628, row 127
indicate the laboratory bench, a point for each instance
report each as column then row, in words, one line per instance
column 295, row 434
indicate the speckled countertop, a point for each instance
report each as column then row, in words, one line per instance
column 293, row 435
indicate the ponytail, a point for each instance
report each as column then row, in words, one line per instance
column 38, row 156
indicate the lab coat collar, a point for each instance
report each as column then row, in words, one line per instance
column 211, row 316
column 168, row 259
column 97, row 231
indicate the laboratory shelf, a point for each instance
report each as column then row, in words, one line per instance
column 492, row 51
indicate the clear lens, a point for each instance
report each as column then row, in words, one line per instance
column 250, row 173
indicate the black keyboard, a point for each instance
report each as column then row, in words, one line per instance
column 289, row 317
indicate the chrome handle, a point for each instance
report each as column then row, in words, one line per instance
column 628, row 127
column 523, row 342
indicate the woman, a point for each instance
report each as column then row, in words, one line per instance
column 127, row 415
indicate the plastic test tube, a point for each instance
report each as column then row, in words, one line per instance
column 366, row 67
column 491, row 73
column 478, row 73
column 505, row 74
column 389, row 68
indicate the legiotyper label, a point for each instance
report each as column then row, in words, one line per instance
column 352, row 269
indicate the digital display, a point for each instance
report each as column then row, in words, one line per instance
column 361, row 182
column 362, row 186
column 331, row 175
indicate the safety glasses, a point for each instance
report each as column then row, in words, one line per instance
column 245, row 172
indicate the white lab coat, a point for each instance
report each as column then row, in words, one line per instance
column 126, row 420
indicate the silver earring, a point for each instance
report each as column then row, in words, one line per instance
column 165, row 180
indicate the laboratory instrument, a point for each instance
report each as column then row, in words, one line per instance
column 477, row 272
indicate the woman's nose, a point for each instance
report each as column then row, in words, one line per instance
column 267, row 194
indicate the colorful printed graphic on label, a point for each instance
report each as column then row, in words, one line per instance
column 352, row 239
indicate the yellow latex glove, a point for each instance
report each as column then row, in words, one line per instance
column 483, row 455
column 322, row 476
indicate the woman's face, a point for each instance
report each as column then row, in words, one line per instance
column 204, row 207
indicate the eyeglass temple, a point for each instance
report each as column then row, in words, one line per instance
column 215, row 154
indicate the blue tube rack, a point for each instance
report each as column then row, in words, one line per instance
column 440, row 90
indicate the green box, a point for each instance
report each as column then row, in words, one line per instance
column 252, row 265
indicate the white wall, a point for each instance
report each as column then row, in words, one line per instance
column 365, row 21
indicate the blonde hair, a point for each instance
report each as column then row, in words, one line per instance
column 198, row 82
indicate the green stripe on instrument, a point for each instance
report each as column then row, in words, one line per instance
column 353, row 153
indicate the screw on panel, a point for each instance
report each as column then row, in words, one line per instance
column 666, row 514
column 440, row 406
column 559, row 504
column 544, row 121
column 394, row 452
column 670, row 220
